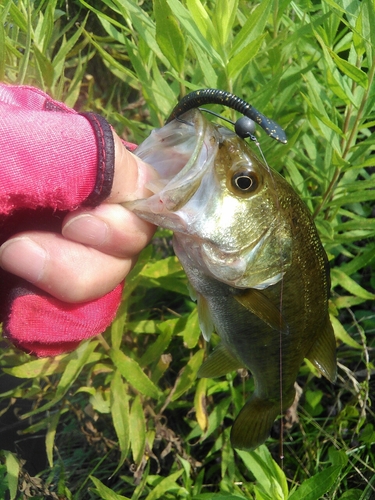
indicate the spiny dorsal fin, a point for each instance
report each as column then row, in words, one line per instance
column 323, row 352
column 256, row 302
column 219, row 362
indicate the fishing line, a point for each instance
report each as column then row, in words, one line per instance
column 217, row 115
column 245, row 128
column 277, row 202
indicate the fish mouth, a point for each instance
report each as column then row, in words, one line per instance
column 180, row 152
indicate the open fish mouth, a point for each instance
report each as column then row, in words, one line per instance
column 181, row 153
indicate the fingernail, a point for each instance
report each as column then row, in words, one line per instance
column 86, row 229
column 23, row 257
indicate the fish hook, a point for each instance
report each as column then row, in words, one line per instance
column 215, row 96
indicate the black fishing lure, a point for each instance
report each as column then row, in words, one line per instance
column 242, row 128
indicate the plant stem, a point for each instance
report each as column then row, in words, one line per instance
column 329, row 192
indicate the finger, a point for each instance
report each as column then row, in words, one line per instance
column 131, row 175
column 65, row 269
column 109, row 228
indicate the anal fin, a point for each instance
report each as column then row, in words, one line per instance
column 323, row 352
column 260, row 305
column 219, row 362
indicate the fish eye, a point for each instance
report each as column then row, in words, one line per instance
column 245, row 180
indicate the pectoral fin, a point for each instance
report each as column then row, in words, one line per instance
column 205, row 321
column 260, row 305
column 323, row 352
column 219, row 362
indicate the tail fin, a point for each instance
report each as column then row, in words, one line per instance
column 254, row 422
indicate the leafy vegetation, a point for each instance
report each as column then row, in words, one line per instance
column 124, row 416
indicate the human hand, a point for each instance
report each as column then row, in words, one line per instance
column 97, row 247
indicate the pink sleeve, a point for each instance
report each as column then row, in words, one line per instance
column 52, row 160
column 51, row 156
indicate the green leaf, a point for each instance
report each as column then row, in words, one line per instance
column 168, row 35
column 224, row 14
column 162, row 268
column 25, row 61
column 353, row 494
column 108, row 20
column 189, row 374
column 342, row 334
column 186, row 20
column 120, row 415
column 320, row 113
column 337, row 457
column 200, row 404
column 192, row 330
column 337, row 83
column 361, row 25
column 37, row 367
column 77, row 360
column 330, row 130
column 244, row 56
column 346, row 302
column 99, row 399
column 366, row 25
column 353, row 198
column 165, row 485
column 156, row 349
column 53, row 422
column 65, row 48
column 209, row 74
column 105, row 492
column 46, row 27
column 5, row 9
column 138, row 430
column 217, row 496
column 204, row 23
column 112, row 62
column 216, row 417
column 133, row 373
column 253, row 27
column 271, row 480
column 364, row 258
column 342, row 279
column 356, row 74
column 13, row 470
column 316, row 486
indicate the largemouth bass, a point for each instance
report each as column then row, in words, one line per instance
column 253, row 258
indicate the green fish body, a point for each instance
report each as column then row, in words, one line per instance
column 253, row 258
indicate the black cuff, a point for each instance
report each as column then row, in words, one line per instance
column 106, row 159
